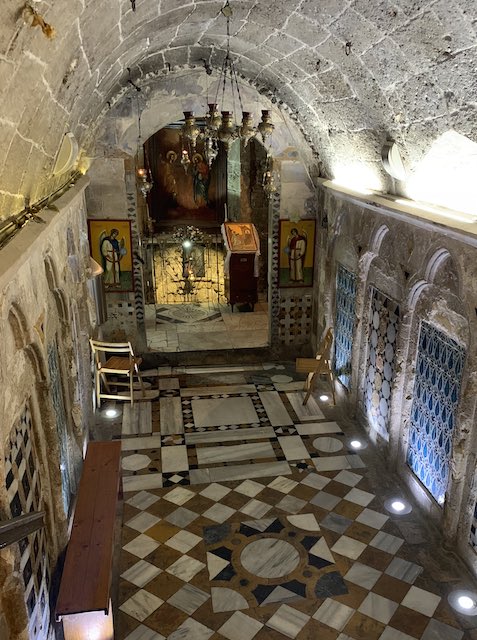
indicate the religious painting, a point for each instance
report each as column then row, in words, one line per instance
column 297, row 253
column 184, row 184
column 241, row 236
column 111, row 247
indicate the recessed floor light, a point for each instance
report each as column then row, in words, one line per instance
column 324, row 397
column 463, row 601
column 397, row 506
column 356, row 444
column 111, row 413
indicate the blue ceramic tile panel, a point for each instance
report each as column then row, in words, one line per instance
column 24, row 494
column 344, row 324
column 439, row 365
column 60, row 416
column 473, row 530
column 383, row 328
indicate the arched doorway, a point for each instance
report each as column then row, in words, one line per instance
column 188, row 301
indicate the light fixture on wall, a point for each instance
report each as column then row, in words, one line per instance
column 222, row 126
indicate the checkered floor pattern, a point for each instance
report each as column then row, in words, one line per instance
column 306, row 553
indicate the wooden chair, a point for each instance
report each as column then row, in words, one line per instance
column 320, row 365
column 115, row 359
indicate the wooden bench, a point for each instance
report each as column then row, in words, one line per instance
column 84, row 600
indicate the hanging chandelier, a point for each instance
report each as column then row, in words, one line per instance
column 222, row 126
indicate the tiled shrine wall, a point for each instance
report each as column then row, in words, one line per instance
column 411, row 281
column 43, row 421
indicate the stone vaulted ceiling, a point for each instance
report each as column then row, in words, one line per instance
column 351, row 72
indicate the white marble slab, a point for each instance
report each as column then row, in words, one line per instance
column 214, row 412
column 171, row 416
column 143, row 442
column 288, row 621
column 348, row 477
column 144, row 633
column 358, row 496
column 137, row 419
column 386, row 542
column 191, row 629
column 256, row 508
column 327, row 444
column 335, row 463
column 143, row 521
column 349, row 547
column 188, row 599
column 363, row 575
column 308, row 411
column 403, row 570
column 420, row 600
column 318, row 428
column 205, row 437
column 293, row 448
column 144, row 482
column 185, row 568
column 240, row 627
column 141, row 605
column 284, row 485
column 141, row 546
column 217, row 391
column 378, row 607
column 222, row 369
column 183, row 541
column 276, row 411
column 179, row 495
column 252, row 451
column 141, row 573
column 372, row 518
column 199, row 476
column 241, row 472
column 219, row 513
column 333, row 614
column 142, row 500
column 174, row 458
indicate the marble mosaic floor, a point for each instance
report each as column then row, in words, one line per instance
column 246, row 516
column 168, row 330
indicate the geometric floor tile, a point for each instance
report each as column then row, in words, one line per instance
column 141, row 605
column 247, row 559
column 348, row 547
column 185, row 568
column 188, row 599
column 144, row 633
column 378, row 608
column 141, row 546
column 403, row 570
column 183, row 541
column 142, row 500
column 141, row 573
column 142, row 521
column 333, row 614
column 288, row 621
column 436, row 630
column 240, row 627
column 386, row 542
column 363, row 575
column 372, row 518
column 421, row 600
column 191, row 630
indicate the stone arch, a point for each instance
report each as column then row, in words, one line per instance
column 430, row 299
column 18, row 325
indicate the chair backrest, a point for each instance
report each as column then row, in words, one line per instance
column 98, row 348
column 324, row 350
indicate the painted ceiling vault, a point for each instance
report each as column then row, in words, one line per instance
column 351, row 73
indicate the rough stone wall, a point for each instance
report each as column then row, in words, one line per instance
column 350, row 73
column 44, row 301
column 432, row 277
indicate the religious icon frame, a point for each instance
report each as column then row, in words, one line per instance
column 122, row 280
column 293, row 274
column 241, row 237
